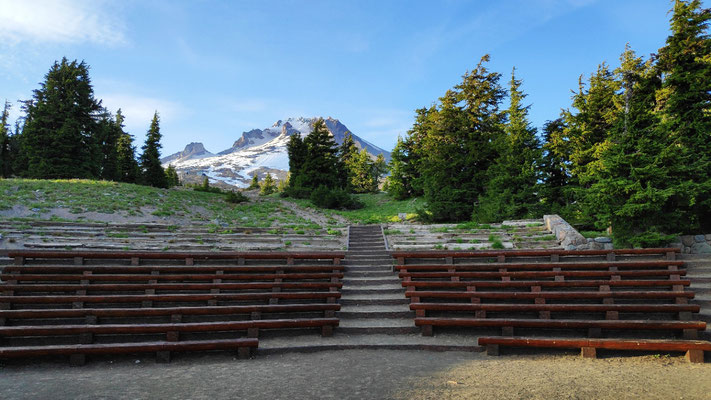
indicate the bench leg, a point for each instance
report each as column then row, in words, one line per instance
column 492, row 349
column 695, row 356
column 426, row 330
column 691, row 334
column 77, row 360
column 327, row 330
column 588, row 352
column 243, row 353
column 163, row 357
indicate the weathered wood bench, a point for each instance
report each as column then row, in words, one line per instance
column 694, row 349
column 225, row 296
column 78, row 352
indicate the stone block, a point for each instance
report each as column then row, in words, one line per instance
column 688, row 240
column 700, row 238
column 609, row 246
column 701, row 248
column 603, row 239
column 708, row 237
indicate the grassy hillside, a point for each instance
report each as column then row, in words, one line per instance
column 84, row 199
column 378, row 208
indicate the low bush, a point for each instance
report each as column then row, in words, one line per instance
column 337, row 199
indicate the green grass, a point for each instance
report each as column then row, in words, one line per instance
column 377, row 208
column 392, row 231
column 80, row 196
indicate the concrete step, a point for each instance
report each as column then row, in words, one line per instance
column 369, row 274
column 376, row 311
column 370, row 299
column 377, row 289
column 414, row 341
column 371, row 326
column 353, row 281
column 362, row 268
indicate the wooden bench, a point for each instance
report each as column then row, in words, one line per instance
column 694, row 349
column 78, row 352
column 134, row 295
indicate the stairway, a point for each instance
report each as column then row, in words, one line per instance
column 698, row 268
column 373, row 300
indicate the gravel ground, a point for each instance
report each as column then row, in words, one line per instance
column 362, row 374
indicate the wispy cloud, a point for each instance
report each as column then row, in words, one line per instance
column 60, row 21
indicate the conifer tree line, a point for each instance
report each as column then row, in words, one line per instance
column 66, row 133
column 326, row 173
column 632, row 152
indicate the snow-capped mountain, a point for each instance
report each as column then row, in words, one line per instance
column 257, row 151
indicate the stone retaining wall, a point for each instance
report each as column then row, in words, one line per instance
column 569, row 238
column 694, row 244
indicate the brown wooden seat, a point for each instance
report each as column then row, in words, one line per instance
column 12, row 270
column 415, row 296
column 168, row 287
column 688, row 327
column 535, row 266
column 422, row 308
column 327, row 309
column 78, row 352
column 694, row 349
column 183, row 277
column 547, row 284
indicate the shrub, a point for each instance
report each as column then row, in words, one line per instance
column 324, row 197
column 236, row 198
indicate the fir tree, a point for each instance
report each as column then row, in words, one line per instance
column 513, row 178
column 347, row 153
column 152, row 171
column 320, row 166
column 554, row 191
column 5, row 161
column 684, row 101
column 171, row 176
column 127, row 169
column 59, row 136
column 255, row 182
column 108, row 134
column 268, row 186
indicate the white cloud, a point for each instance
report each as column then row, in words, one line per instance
column 60, row 21
column 138, row 110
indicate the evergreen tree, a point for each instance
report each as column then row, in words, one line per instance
column 268, row 186
column 320, row 165
column 631, row 191
column 396, row 183
column 512, row 188
column 108, row 134
column 554, row 191
column 171, row 176
column 255, row 182
column 127, row 169
column 59, row 136
column 362, row 173
column 684, row 101
column 458, row 149
column 5, row 161
column 297, row 152
column 152, row 171
column 347, row 153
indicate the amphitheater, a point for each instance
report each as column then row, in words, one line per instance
column 365, row 306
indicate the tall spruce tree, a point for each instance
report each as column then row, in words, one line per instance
column 347, row 154
column 512, row 189
column 152, row 171
column 108, row 134
column 59, row 135
column 555, row 176
column 5, row 161
column 685, row 104
column 320, row 165
column 631, row 190
column 458, row 147
column 127, row 169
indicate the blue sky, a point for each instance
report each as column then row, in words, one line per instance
column 214, row 69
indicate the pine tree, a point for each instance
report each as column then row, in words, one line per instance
column 512, row 188
column 153, row 174
column 268, row 186
column 631, row 191
column 5, row 161
column 457, row 149
column 255, row 182
column 555, row 177
column 108, row 134
column 60, row 129
column 347, row 153
column 684, row 101
column 171, row 176
column 297, row 152
column 320, row 165
column 127, row 169
column 361, row 173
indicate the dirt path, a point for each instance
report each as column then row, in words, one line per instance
column 363, row 374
